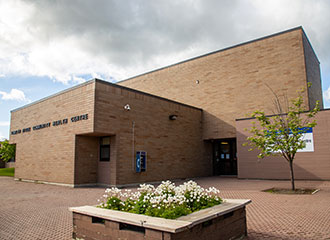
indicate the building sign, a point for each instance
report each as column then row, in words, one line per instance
column 308, row 139
column 60, row 122
column 79, row 118
column 141, row 161
column 49, row 124
column 41, row 126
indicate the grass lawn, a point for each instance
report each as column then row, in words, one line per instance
column 7, row 172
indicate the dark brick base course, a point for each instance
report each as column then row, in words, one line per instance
column 228, row 226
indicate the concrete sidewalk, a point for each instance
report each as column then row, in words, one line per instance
column 39, row 211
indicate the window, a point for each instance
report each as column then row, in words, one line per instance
column 105, row 149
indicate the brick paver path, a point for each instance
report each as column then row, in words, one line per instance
column 39, row 211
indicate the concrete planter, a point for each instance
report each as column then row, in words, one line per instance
column 224, row 221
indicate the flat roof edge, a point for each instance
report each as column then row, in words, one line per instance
column 217, row 51
column 272, row 115
column 105, row 82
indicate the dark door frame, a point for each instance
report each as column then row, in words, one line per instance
column 224, row 157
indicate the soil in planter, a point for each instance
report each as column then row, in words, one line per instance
column 289, row 191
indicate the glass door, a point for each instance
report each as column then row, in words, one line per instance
column 224, row 157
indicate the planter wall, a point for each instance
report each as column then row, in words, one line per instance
column 224, row 221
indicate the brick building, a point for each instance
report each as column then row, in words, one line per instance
column 175, row 122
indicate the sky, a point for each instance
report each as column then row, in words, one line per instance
column 50, row 45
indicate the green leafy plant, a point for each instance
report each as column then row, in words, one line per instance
column 9, row 172
column 7, row 151
column 165, row 201
column 282, row 134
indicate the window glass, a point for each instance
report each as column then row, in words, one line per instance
column 105, row 149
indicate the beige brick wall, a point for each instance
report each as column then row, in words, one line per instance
column 86, row 159
column 313, row 74
column 174, row 148
column 308, row 165
column 48, row 154
column 232, row 82
column 70, row 153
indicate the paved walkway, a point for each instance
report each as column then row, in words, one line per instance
column 39, row 211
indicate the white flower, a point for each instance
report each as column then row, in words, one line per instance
column 166, row 195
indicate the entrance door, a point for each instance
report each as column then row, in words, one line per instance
column 224, row 157
column 103, row 173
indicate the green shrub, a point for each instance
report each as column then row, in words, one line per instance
column 9, row 172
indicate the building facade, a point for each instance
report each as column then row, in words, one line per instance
column 175, row 122
column 90, row 134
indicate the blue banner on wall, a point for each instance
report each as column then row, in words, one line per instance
column 307, row 137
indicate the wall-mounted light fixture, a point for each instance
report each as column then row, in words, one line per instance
column 127, row 107
column 173, row 117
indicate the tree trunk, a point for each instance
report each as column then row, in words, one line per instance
column 292, row 176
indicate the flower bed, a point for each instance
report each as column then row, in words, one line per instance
column 192, row 213
column 165, row 201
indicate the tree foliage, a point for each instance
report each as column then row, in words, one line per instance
column 7, row 151
column 282, row 133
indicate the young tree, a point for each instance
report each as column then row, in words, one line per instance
column 7, row 151
column 282, row 134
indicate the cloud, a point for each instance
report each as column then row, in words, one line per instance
column 78, row 79
column 2, row 137
column 326, row 94
column 4, row 123
column 14, row 94
column 65, row 40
